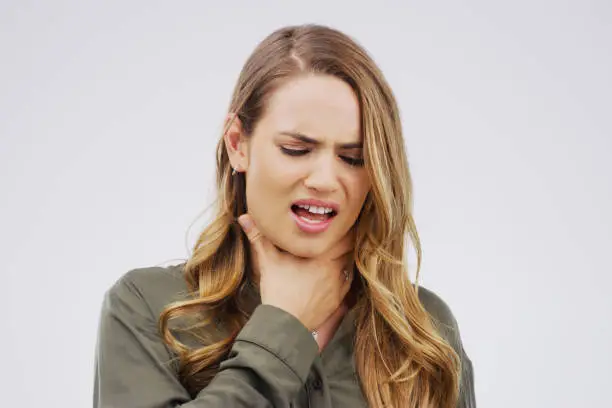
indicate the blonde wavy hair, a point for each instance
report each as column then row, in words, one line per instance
column 401, row 360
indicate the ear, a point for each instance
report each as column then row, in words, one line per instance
column 236, row 143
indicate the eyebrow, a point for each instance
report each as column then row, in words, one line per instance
column 310, row 140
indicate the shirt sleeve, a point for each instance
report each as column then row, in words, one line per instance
column 449, row 329
column 267, row 365
column 467, row 396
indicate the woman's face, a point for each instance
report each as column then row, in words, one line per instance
column 305, row 181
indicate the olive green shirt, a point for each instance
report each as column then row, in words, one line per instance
column 274, row 361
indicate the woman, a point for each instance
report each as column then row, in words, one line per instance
column 306, row 300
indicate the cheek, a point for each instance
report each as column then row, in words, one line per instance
column 270, row 183
column 268, row 165
column 359, row 186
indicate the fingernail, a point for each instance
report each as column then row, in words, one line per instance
column 245, row 222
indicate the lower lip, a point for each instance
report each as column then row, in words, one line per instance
column 309, row 227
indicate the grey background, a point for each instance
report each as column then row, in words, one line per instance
column 109, row 112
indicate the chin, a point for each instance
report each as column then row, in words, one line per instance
column 307, row 250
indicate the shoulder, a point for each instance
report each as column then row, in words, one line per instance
column 447, row 327
column 149, row 288
column 442, row 316
column 437, row 308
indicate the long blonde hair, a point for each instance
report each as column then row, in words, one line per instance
column 401, row 360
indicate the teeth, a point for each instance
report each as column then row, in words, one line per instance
column 315, row 210
column 309, row 221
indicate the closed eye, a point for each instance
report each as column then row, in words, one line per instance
column 294, row 152
column 352, row 161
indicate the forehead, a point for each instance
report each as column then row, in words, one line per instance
column 321, row 106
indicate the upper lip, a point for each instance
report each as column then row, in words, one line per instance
column 318, row 203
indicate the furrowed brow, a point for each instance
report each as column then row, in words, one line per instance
column 306, row 139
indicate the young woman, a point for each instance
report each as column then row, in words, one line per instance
column 297, row 294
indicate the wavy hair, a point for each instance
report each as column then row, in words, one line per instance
column 412, row 365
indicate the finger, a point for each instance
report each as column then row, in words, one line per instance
column 346, row 281
column 343, row 289
column 255, row 237
column 340, row 310
column 346, row 276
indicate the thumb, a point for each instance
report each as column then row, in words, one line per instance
column 251, row 231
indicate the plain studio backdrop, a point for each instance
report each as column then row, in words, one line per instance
column 110, row 112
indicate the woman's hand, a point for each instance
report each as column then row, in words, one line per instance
column 310, row 289
column 326, row 331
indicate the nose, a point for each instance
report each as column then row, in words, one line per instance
column 323, row 175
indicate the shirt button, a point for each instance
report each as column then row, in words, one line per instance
column 317, row 384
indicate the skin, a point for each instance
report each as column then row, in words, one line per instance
column 317, row 117
column 324, row 109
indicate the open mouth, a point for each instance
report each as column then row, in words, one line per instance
column 313, row 214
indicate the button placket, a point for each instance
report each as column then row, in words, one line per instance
column 317, row 384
